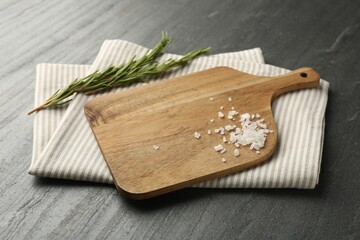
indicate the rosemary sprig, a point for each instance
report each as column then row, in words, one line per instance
column 135, row 70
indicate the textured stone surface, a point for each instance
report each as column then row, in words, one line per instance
column 321, row 34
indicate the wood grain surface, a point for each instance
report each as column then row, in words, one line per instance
column 128, row 124
column 321, row 34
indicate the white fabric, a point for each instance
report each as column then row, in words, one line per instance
column 64, row 146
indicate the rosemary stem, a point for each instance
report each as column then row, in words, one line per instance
column 135, row 70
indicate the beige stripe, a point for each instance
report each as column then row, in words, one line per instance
column 46, row 157
column 288, row 142
column 60, row 155
column 76, row 106
column 309, row 141
column 316, row 144
column 299, row 127
column 308, row 166
column 281, row 123
column 301, row 130
column 42, row 120
column 77, row 148
column 285, row 138
column 325, row 89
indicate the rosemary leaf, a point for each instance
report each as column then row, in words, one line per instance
column 135, row 70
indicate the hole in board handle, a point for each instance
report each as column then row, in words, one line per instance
column 304, row 75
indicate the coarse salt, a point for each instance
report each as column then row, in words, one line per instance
column 233, row 137
column 233, row 113
column 236, row 152
column 230, row 99
column 223, row 160
column 197, row 135
column 156, row 147
column 244, row 117
column 250, row 133
column 211, row 99
column 262, row 125
column 222, row 130
column 229, row 127
column 218, row 148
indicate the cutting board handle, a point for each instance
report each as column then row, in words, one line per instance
column 299, row 79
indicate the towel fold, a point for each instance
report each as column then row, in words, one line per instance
column 64, row 146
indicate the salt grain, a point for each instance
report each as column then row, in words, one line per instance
column 222, row 131
column 236, row 152
column 262, row 125
column 211, row 99
column 221, row 114
column 209, row 131
column 244, row 116
column 223, row 151
column 156, row 147
column 197, row 135
column 233, row 113
column 212, row 120
column 224, row 139
column 221, row 108
column 230, row 99
column 223, row 160
column 233, row 137
column 218, row 148
column 229, row 127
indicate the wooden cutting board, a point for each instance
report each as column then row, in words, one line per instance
column 167, row 113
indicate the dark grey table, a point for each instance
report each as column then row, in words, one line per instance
column 321, row 34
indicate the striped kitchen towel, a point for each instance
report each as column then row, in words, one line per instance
column 64, row 146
